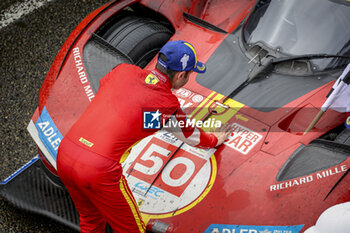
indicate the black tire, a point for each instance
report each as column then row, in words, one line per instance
column 139, row 38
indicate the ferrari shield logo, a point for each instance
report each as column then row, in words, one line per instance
column 151, row 79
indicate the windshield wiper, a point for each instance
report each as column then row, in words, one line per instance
column 267, row 65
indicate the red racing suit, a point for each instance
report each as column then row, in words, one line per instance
column 89, row 156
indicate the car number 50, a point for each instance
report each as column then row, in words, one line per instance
column 154, row 159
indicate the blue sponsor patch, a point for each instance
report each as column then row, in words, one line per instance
column 24, row 167
column 218, row 228
column 48, row 133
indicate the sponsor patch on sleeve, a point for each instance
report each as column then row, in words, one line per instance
column 86, row 142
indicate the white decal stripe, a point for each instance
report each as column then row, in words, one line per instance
column 19, row 10
column 35, row 135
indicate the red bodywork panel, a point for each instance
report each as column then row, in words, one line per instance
column 242, row 188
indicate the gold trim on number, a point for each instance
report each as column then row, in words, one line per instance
column 147, row 217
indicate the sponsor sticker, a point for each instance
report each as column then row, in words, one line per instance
column 197, row 98
column 188, row 98
column 168, row 137
column 48, row 132
column 82, row 73
column 143, row 188
column 184, row 103
column 242, row 139
column 184, row 93
column 218, row 228
column 310, row 178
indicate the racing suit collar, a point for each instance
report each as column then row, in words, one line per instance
column 162, row 77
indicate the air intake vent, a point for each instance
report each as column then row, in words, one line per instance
column 296, row 67
column 317, row 156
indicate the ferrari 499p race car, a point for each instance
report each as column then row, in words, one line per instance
column 270, row 65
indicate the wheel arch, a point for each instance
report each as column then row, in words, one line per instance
column 133, row 35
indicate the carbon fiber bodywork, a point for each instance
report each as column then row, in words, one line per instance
column 30, row 189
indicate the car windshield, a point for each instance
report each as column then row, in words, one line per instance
column 296, row 27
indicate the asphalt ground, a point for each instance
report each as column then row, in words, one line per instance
column 28, row 46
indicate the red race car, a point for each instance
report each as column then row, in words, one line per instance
column 270, row 65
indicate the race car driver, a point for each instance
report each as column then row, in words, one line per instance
column 90, row 155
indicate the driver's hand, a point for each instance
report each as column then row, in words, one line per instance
column 222, row 133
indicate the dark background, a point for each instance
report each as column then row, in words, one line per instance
column 27, row 49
